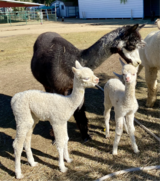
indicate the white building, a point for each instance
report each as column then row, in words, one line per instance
column 116, row 9
column 111, row 9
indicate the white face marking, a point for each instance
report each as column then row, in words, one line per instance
column 129, row 78
column 133, row 55
column 121, row 44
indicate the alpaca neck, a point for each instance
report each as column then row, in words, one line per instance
column 77, row 94
column 96, row 54
column 129, row 93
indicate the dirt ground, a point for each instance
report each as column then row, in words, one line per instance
column 93, row 159
column 68, row 26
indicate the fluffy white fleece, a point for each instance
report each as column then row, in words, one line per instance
column 33, row 105
column 123, row 99
column 150, row 57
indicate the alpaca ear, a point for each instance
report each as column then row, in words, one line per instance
column 122, row 63
column 120, row 77
column 134, row 28
column 140, row 27
column 129, row 31
column 75, row 71
column 78, row 65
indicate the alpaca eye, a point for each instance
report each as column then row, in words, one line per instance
column 86, row 78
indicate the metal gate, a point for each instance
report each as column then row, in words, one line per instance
column 27, row 17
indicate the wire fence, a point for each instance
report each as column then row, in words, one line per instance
column 27, row 17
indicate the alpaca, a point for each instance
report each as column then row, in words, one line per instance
column 157, row 22
column 33, row 105
column 122, row 98
column 54, row 56
column 150, row 58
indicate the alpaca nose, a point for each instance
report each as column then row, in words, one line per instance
column 96, row 80
column 127, row 78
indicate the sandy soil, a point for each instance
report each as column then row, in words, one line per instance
column 68, row 26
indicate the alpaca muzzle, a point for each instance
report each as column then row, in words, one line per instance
column 96, row 80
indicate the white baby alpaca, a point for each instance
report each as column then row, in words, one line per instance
column 31, row 106
column 122, row 98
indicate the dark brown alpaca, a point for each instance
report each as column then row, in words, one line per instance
column 54, row 56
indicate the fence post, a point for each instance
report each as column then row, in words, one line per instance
column 26, row 17
column 55, row 13
column 10, row 18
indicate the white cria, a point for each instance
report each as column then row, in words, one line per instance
column 33, row 105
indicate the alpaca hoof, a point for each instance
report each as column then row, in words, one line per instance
column 150, row 101
column 87, row 139
column 64, row 169
column 149, row 104
column 137, row 151
column 69, row 160
column 114, row 153
column 34, row 164
column 19, row 176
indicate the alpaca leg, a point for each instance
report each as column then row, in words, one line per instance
column 66, row 154
column 125, row 125
column 106, row 119
column 82, row 122
column 18, row 147
column 107, row 109
column 151, row 80
column 61, row 160
column 119, row 130
column 51, row 133
column 131, row 129
column 66, row 138
column 59, row 132
column 27, row 146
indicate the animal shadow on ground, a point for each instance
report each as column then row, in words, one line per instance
column 117, row 164
column 6, row 151
column 6, row 115
column 94, row 97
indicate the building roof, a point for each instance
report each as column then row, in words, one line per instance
column 66, row 3
column 12, row 3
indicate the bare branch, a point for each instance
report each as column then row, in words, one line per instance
column 129, row 170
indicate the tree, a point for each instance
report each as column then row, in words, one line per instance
column 123, row 1
column 48, row 2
